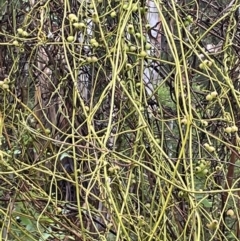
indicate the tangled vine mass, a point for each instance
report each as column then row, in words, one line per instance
column 119, row 120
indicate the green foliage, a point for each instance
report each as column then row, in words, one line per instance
column 119, row 120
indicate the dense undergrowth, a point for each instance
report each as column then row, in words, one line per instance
column 119, row 120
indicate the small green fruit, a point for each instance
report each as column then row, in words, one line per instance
column 111, row 169
column 148, row 205
column 47, row 131
column 72, row 17
column 180, row 194
column 143, row 38
column 133, row 48
column 95, row 20
column 198, row 169
column 58, row 210
column 218, row 168
column 109, row 225
column 203, row 161
column 94, row 59
column 202, row 166
column 158, row 140
column 113, row 14
column 214, row 94
column 70, row 38
column 148, row 46
column 125, row 6
column 201, row 66
column 204, row 123
column 205, row 171
column 206, row 145
column 143, row 54
column 16, row 43
column 5, row 86
column 95, row 45
column 230, row 213
column 134, row 7
column 130, row 29
column 6, row 80
column 138, row 35
column 234, row 128
column 25, row 34
column 213, row 225
column 228, row 129
column 79, row 25
column 144, row 9
column 133, row 181
column 147, row 26
column 209, row 63
column 20, row 31
column 209, row 97
column 91, row 6
column 189, row 18
column 211, row 149
column 186, row 23
column 205, row 61
column 89, row 59
column 93, row 40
